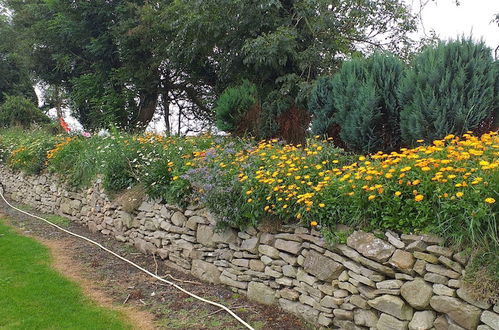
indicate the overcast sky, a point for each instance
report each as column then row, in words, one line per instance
column 470, row 17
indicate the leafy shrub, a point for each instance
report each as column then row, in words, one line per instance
column 19, row 111
column 30, row 155
column 450, row 89
column 232, row 106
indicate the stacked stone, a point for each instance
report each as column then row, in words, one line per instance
column 383, row 281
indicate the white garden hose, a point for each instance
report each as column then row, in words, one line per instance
column 130, row 262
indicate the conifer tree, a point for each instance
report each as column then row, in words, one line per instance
column 362, row 101
column 450, row 88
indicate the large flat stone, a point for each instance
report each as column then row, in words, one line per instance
column 322, row 267
column 261, row 293
column 491, row 319
column 388, row 322
column 392, row 305
column 288, row 246
column 370, row 246
column 465, row 315
column 422, row 320
column 205, row 271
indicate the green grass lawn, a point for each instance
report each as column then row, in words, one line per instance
column 34, row 296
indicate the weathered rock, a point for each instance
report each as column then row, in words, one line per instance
column 392, row 305
column 366, row 318
column 303, row 276
column 466, row 296
column 288, row 246
column 289, row 294
column 436, row 278
column 417, row 293
column 441, row 270
column 178, row 219
column 465, row 315
column 226, row 236
column 417, row 246
column 422, row 320
column 388, row 322
column 269, row 251
column 491, row 319
column 420, row 267
column 359, row 301
column 66, row 207
column 261, row 293
column 234, row 283
column 250, row 245
column 349, row 287
column 306, row 312
column 443, row 290
column 426, row 257
column 256, row 265
column 324, row 320
column 354, row 255
column 342, row 314
column 204, row 235
column 205, row 271
column 440, row 251
column 331, row 302
column 241, row 262
column 370, row 246
column 402, row 259
column 389, row 284
column 322, row 267
column 394, row 240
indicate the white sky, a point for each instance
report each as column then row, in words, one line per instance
column 471, row 17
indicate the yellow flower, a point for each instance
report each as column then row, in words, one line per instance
column 313, row 223
column 398, row 193
column 175, row 178
column 459, row 194
column 250, row 200
column 416, row 182
column 425, row 169
column 322, row 205
column 419, row 198
column 490, row 200
column 285, row 206
column 371, row 197
column 249, row 192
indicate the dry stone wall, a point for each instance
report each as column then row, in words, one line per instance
column 388, row 282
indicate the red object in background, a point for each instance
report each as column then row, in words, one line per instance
column 64, row 125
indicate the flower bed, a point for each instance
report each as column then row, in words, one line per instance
column 448, row 187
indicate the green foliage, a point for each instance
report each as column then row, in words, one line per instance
column 320, row 104
column 449, row 89
column 26, row 152
column 14, row 70
column 361, row 98
column 34, row 296
column 118, row 60
column 233, row 104
column 19, row 111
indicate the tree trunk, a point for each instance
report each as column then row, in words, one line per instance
column 147, row 108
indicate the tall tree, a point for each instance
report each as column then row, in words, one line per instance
column 281, row 46
column 14, row 73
